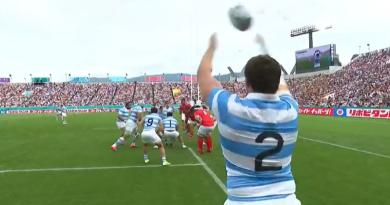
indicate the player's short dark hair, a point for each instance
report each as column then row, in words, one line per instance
column 128, row 105
column 263, row 73
column 169, row 114
column 153, row 110
column 194, row 108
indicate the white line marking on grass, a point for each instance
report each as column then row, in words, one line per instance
column 209, row 171
column 345, row 147
column 93, row 168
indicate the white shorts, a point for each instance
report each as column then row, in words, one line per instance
column 183, row 116
column 190, row 122
column 150, row 137
column 205, row 131
column 120, row 124
column 289, row 200
column 63, row 114
column 131, row 127
column 172, row 134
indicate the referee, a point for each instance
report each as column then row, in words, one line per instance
column 257, row 133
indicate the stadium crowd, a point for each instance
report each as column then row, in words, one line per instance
column 365, row 81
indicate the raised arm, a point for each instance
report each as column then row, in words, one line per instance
column 205, row 79
column 283, row 87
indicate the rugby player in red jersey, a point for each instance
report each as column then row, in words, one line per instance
column 206, row 126
column 184, row 113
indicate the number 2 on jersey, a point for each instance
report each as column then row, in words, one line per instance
column 260, row 157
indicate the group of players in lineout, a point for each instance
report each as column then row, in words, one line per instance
column 258, row 133
column 159, row 127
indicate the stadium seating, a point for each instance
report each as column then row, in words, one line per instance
column 365, row 81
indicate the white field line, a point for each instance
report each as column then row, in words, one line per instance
column 93, row 168
column 209, row 171
column 345, row 147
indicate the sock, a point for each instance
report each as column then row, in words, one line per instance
column 146, row 157
column 164, row 158
column 191, row 132
column 170, row 141
column 200, row 144
column 121, row 140
column 209, row 143
column 134, row 138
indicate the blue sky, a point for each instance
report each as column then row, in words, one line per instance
column 155, row 36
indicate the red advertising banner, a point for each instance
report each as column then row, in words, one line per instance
column 316, row 111
column 187, row 78
column 368, row 113
column 155, row 78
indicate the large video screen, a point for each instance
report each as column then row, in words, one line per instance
column 40, row 80
column 314, row 59
column 5, row 80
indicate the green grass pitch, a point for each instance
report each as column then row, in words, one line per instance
column 337, row 161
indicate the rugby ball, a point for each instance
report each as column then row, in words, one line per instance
column 240, row 18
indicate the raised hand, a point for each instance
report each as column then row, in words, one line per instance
column 213, row 43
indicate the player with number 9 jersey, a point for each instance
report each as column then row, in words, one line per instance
column 153, row 126
column 152, row 121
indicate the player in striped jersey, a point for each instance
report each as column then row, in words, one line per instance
column 61, row 114
column 127, row 122
column 258, row 132
column 123, row 116
column 134, row 123
column 171, row 130
column 152, row 126
column 166, row 110
column 161, row 112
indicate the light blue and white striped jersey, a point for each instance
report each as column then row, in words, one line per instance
column 161, row 114
column 123, row 114
column 258, row 136
column 152, row 121
column 166, row 110
column 61, row 109
column 134, row 112
column 169, row 124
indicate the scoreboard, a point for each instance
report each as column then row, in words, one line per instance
column 40, row 80
column 315, row 59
